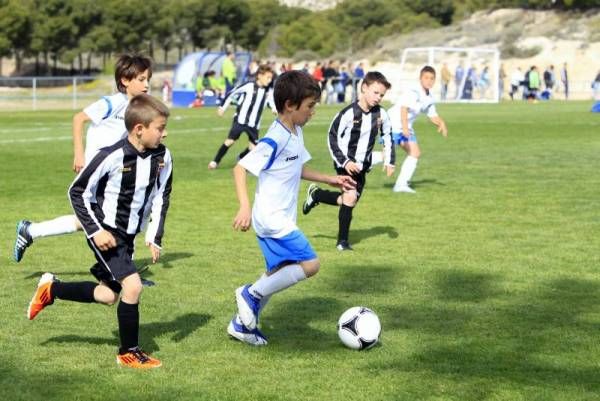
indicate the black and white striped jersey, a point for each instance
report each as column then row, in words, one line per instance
column 121, row 188
column 353, row 132
column 251, row 100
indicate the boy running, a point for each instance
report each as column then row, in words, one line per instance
column 278, row 162
column 252, row 97
column 403, row 114
column 123, row 186
column 132, row 76
column 351, row 139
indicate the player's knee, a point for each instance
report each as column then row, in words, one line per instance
column 349, row 198
column 105, row 295
column 228, row 142
column 132, row 289
column 311, row 267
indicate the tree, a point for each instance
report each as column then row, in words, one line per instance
column 16, row 26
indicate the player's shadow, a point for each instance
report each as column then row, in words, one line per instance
column 164, row 262
column 527, row 338
column 356, row 236
column 418, row 183
column 290, row 324
column 363, row 279
column 180, row 328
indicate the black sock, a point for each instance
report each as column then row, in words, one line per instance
column 244, row 153
column 220, row 153
column 345, row 217
column 128, row 316
column 78, row 292
column 325, row 196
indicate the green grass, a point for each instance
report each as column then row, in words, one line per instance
column 486, row 281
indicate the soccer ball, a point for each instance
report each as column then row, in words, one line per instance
column 359, row 328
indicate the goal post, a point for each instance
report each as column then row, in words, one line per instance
column 475, row 72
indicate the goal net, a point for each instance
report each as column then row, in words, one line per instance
column 474, row 73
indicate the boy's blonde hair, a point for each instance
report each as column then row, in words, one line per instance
column 143, row 109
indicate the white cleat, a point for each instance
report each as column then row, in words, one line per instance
column 212, row 165
column 404, row 188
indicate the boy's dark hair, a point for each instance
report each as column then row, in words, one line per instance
column 264, row 68
column 427, row 68
column 376, row 76
column 129, row 66
column 143, row 109
column 295, row 86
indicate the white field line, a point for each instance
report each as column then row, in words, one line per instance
column 224, row 129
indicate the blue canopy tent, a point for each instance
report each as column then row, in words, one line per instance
column 193, row 66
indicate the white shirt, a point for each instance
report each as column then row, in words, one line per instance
column 277, row 162
column 108, row 123
column 516, row 78
column 417, row 101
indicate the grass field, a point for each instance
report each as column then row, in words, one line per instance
column 486, row 281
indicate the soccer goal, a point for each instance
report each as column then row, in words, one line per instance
column 474, row 72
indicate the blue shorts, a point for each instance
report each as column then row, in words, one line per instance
column 292, row 248
column 399, row 138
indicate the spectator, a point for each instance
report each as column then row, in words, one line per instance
column 343, row 80
column 564, row 77
column 318, row 73
column 458, row 78
column 229, row 72
column 446, row 77
column 329, row 75
column 549, row 79
column 596, row 86
column 501, row 78
column 533, row 84
column 483, row 82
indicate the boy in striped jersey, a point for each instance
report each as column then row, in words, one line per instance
column 122, row 187
column 351, row 139
column 251, row 99
column 132, row 76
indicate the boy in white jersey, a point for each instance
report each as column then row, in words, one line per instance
column 403, row 114
column 278, row 162
column 132, row 76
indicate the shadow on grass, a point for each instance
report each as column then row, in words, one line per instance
column 365, row 279
column 535, row 337
column 356, row 236
column 288, row 323
column 164, row 262
column 181, row 327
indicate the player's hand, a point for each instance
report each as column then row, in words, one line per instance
column 220, row 111
column 78, row 162
column 344, row 182
column 443, row 130
column 352, row 168
column 389, row 170
column 154, row 251
column 104, row 240
column 242, row 220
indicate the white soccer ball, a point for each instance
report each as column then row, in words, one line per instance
column 359, row 328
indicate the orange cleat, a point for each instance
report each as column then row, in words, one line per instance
column 137, row 359
column 42, row 296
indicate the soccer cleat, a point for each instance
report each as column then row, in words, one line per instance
column 240, row 332
column 404, row 188
column 248, row 307
column 310, row 202
column 212, row 165
column 23, row 239
column 137, row 359
column 344, row 246
column 42, row 296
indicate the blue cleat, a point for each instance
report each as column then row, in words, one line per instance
column 248, row 307
column 23, row 240
column 240, row 332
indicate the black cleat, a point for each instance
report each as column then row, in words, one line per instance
column 23, row 239
column 344, row 246
column 310, row 202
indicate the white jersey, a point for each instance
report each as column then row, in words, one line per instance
column 417, row 101
column 277, row 161
column 108, row 123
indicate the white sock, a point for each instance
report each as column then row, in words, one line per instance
column 376, row 158
column 57, row 226
column 280, row 280
column 406, row 172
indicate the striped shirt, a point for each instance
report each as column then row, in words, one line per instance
column 121, row 188
column 353, row 132
column 251, row 100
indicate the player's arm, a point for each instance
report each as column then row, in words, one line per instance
column 81, row 193
column 160, row 206
column 340, row 181
column 389, row 150
column 243, row 217
column 233, row 94
column 79, row 121
column 336, row 132
column 440, row 124
column 404, row 121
